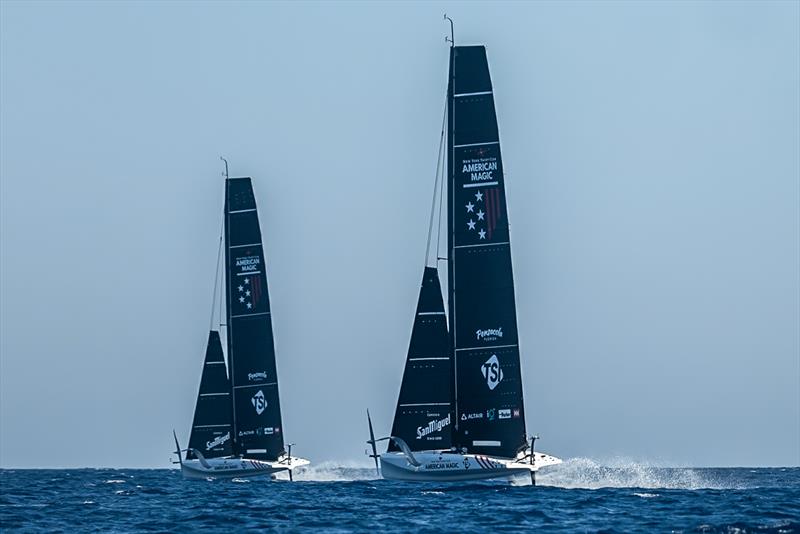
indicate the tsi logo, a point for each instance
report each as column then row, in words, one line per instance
column 492, row 372
column 259, row 402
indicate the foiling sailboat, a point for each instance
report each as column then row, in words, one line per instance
column 237, row 429
column 460, row 413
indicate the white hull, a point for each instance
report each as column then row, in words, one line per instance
column 446, row 466
column 237, row 467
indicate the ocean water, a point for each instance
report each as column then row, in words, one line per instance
column 578, row 496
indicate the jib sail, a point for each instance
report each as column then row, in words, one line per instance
column 424, row 415
column 211, row 428
column 489, row 414
column 257, row 427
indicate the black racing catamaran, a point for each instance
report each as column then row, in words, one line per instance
column 460, row 413
column 237, row 429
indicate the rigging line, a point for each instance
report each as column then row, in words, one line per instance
column 442, row 156
column 435, row 189
column 216, row 281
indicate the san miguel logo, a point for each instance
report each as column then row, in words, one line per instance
column 433, row 426
column 216, row 442
column 259, row 402
column 492, row 372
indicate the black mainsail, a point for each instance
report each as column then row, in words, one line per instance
column 489, row 410
column 211, row 428
column 471, row 397
column 424, row 414
column 257, row 428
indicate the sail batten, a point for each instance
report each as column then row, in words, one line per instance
column 257, row 426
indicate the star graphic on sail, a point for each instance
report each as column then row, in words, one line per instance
column 248, row 294
column 484, row 213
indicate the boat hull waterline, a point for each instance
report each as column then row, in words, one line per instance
column 446, row 466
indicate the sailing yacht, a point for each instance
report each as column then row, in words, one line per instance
column 237, row 429
column 460, row 413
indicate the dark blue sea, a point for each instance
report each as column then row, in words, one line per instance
column 579, row 496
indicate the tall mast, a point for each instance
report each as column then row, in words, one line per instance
column 226, row 234
column 451, row 294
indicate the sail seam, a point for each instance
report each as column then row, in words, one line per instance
column 249, row 245
column 482, row 245
column 472, row 94
column 209, row 426
column 431, row 313
column 427, row 404
column 256, row 385
column 213, row 394
column 477, row 144
column 491, row 348
column 417, row 359
column 241, row 211
column 249, row 315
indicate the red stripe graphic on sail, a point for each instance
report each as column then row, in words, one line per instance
column 256, row 289
column 489, row 212
column 497, row 207
column 492, row 210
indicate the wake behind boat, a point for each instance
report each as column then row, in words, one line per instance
column 237, row 429
column 460, row 412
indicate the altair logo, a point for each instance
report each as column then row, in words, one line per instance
column 259, row 402
column 492, row 372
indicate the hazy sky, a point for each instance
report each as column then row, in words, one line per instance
column 653, row 170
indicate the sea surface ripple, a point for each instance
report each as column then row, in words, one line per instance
column 579, row 496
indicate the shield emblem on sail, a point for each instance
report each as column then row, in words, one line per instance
column 259, row 402
column 492, row 372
